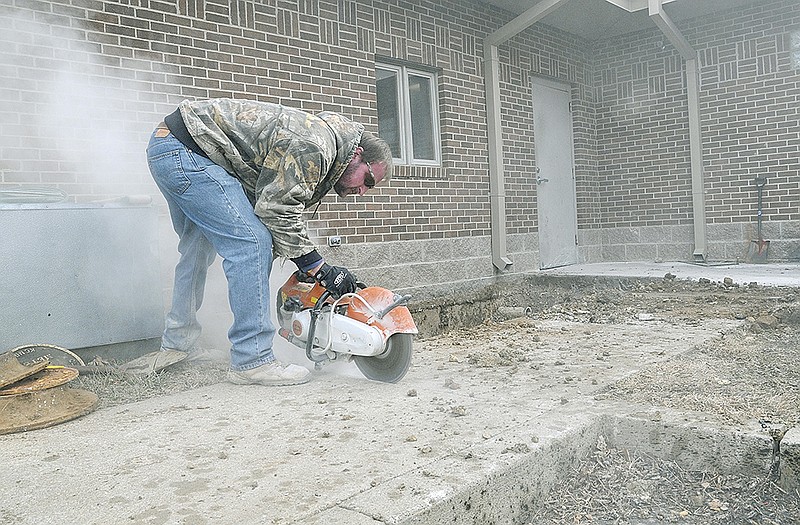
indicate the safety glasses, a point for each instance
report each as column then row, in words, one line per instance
column 369, row 179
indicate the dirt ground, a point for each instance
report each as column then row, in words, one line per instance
column 746, row 376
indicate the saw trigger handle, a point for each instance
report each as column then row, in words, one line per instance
column 399, row 300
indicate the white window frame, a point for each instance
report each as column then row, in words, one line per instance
column 404, row 114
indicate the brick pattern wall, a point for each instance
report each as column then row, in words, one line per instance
column 749, row 94
column 85, row 80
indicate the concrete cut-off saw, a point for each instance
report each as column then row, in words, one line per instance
column 372, row 327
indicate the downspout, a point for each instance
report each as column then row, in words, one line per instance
column 491, row 75
column 673, row 34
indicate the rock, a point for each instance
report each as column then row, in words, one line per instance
column 697, row 500
column 767, row 321
column 452, row 385
column 790, row 314
column 519, row 448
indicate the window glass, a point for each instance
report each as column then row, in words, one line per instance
column 408, row 114
column 389, row 110
column 419, row 92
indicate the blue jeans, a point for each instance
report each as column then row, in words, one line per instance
column 212, row 215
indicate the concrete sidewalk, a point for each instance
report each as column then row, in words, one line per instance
column 452, row 443
column 774, row 274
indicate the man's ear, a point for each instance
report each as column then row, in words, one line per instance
column 358, row 152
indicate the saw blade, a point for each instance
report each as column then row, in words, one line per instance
column 392, row 364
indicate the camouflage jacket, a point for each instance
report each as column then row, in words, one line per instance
column 286, row 159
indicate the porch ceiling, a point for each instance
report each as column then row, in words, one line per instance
column 600, row 19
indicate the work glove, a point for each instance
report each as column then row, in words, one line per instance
column 336, row 279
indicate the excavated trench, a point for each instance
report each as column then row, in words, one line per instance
column 638, row 469
column 650, row 426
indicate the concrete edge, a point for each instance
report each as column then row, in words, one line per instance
column 490, row 482
column 502, row 480
column 692, row 440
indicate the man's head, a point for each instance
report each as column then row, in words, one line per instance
column 371, row 164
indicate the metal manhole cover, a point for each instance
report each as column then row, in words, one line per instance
column 35, row 353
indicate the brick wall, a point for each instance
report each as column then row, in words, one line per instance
column 83, row 82
column 86, row 80
column 749, row 94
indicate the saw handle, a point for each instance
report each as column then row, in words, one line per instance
column 399, row 300
column 312, row 325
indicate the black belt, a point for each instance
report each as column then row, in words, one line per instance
column 175, row 124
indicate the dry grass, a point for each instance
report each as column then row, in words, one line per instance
column 118, row 388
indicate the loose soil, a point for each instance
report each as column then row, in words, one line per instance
column 746, row 376
column 616, row 486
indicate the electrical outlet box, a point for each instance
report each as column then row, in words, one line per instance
column 334, row 240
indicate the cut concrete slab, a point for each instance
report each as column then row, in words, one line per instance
column 790, row 460
column 12, row 371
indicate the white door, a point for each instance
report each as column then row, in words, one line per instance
column 555, row 181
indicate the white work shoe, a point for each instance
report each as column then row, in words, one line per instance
column 271, row 374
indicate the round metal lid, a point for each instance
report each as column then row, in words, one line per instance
column 56, row 355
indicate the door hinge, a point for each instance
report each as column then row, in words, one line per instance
column 570, row 107
column 576, row 239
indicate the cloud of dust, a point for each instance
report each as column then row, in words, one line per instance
column 74, row 114
column 73, row 117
